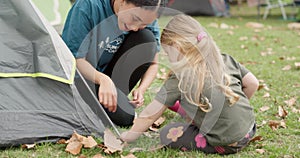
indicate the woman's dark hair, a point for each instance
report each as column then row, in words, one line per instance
column 143, row 3
column 148, row 4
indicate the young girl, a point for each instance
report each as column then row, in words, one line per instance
column 210, row 89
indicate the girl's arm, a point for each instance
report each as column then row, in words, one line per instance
column 250, row 84
column 146, row 118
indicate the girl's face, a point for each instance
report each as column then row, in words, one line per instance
column 172, row 52
column 132, row 18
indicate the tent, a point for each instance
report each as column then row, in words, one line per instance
column 199, row 7
column 39, row 101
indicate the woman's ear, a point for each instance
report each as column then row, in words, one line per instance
column 121, row 2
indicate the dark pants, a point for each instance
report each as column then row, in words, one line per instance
column 128, row 65
column 186, row 136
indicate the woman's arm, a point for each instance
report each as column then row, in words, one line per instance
column 146, row 118
column 149, row 76
column 107, row 90
column 250, row 84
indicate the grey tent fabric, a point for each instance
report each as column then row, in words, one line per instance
column 199, row 7
column 25, row 38
column 39, row 101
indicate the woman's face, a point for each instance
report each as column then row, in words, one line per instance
column 132, row 18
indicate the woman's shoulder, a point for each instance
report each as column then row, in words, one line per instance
column 91, row 4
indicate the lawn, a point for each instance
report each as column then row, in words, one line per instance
column 271, row 53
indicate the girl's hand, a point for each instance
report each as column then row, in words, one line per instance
column 138, row 98
column 108, row 94
column 129, row 136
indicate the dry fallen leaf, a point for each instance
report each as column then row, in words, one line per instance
column 147, row 134
column 297, row 65
column 264, row 86
column 286, row 68
column 77, row 141
column 264, row 108
column 261, row 81
column 112, row 143
column 266, row 95
column 157, row 147
column 263, row 54
column 243, row 38
column 254, row 25
column 162, row 70
column 244, row 47
column 262, row 38
column 257, row 138
column 291, row 101
column 294, row 26
column 152, row 128
column 230, row 32
column 164, row 76
column 296, row 111
column 214, row 25
column 224, row 26
column 262, row 124
column 133, row 150
column 291, row 58
column 74, row 147
column 297, row 85
column 282, row 112
column 159, row 121
column 27, row 146
column 89, row 142
column 82, row 156
column 62, row 141
column 261, row 151
column 276, row 124
column 249, row 63
column 158, row 75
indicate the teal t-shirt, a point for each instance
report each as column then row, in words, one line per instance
column 224, row 124
column 91, row 31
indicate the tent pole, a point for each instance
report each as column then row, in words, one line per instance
column 96, row 101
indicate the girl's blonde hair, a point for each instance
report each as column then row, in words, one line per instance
column 201, row 62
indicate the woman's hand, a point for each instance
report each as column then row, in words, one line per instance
column 108, row 94
column 137, row 97
column 107, row 91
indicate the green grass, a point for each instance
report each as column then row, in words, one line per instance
column 283, row 142
column 46, row 7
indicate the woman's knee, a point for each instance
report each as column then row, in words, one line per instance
column 121, row 118
column 141, row 36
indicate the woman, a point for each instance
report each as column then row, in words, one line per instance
column 113, row 49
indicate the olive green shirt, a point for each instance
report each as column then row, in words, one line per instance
column 224, row 124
